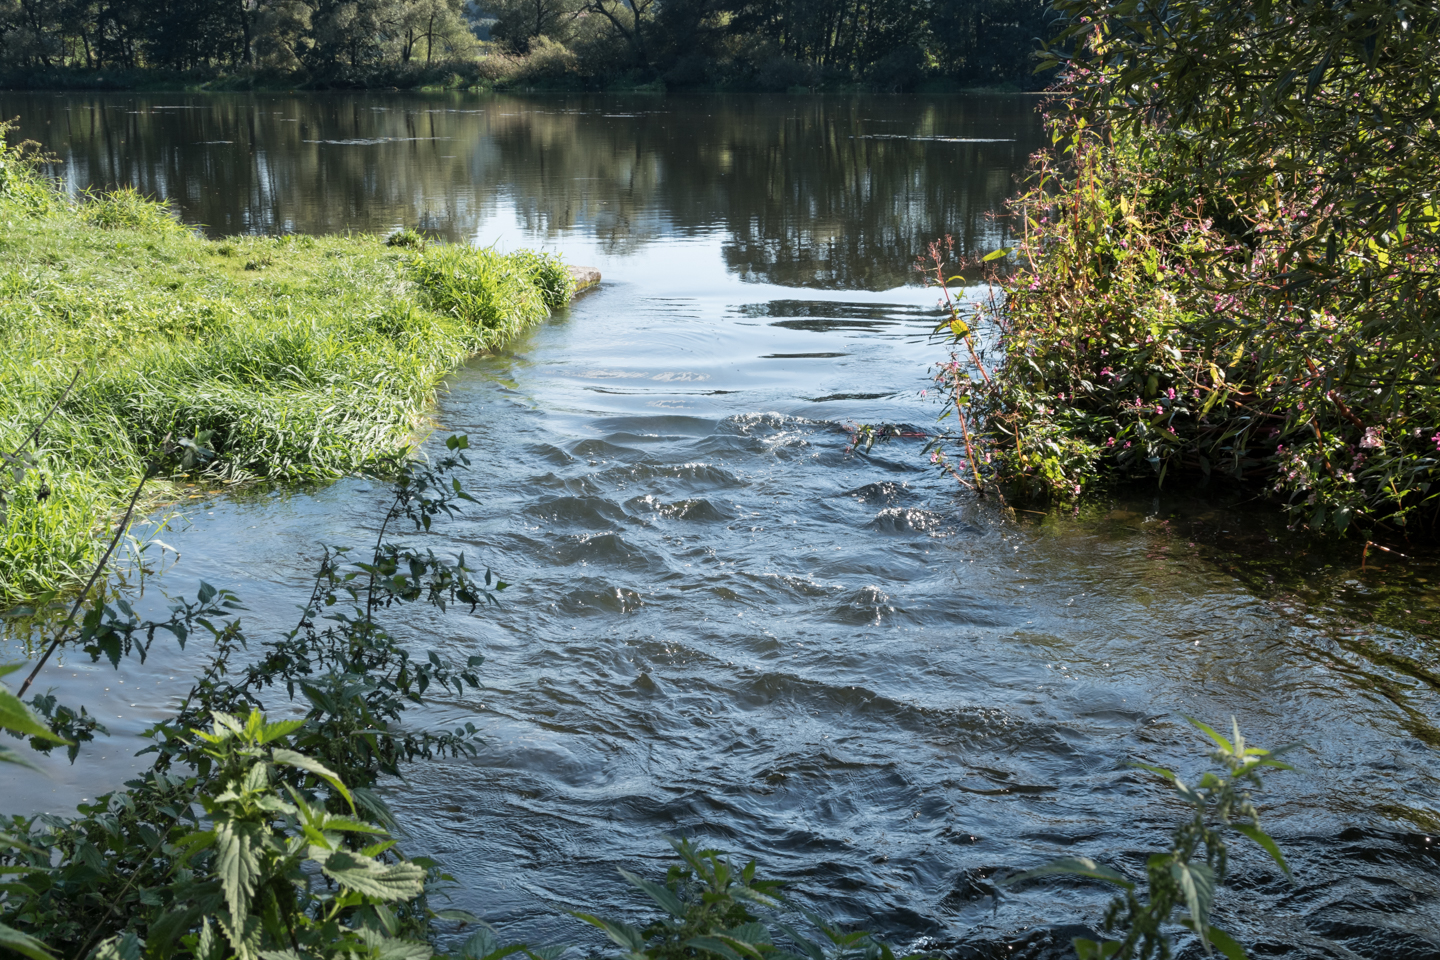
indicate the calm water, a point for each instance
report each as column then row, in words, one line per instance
column 724, row 626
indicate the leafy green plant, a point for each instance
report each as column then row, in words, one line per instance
column 1180, row 883
column 406, row 238
column 1226, row 265
column 127, row 209
column 716, row 911
column 250, row 837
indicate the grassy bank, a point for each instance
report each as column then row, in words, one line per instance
column 305, row 357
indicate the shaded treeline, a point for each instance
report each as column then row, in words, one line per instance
column 806, row 191
column 761, row 44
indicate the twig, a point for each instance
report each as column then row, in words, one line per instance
column 94, row 576
column 1366, row 552
column 34, row 435
column 969, row 449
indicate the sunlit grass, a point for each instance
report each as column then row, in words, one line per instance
column 307, row 357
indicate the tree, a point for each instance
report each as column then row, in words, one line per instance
column 630, row 19
column 521, row 21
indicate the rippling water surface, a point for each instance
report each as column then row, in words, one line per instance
column 723, row 625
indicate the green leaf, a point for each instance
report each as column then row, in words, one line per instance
column 1167, row 774
column 279, row 728
column 484, row 945
column 237, row 866
column 1219, row 939
column 1073, row 866
column 751, row 933
column 385, row 882
column 1223, row 942
column 17, row 717
column 668, row 901
column 623, row 934
column 1263, row 838
column 1197, row 884
column 24, row 944
column 243, row 936
column 1090, row 950
column 997, row 254
column 124, row 946
column 393, row 948
column 1224, row 744
column 290, row 758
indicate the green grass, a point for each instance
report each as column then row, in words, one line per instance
column 307, row 357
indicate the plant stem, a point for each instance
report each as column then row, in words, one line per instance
column 94, row 576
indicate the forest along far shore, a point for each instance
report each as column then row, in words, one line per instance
column 930, row 46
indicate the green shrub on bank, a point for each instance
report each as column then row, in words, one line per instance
column 304, row 357
column 1223, row 274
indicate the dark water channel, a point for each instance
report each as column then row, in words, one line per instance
column 724, row 626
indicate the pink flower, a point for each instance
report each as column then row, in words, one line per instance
column 1170, row 393
column 1372, row 439
column 1111, row 441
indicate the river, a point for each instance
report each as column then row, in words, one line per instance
column 723, row 624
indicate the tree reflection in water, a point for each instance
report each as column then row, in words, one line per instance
column 820, row 192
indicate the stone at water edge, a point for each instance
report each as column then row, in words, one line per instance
column 585, row 277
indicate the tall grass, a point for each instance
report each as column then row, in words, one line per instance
column 306, row 357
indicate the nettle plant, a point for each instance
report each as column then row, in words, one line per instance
column 714, row 910
column 1180, row 883
column 251, row 837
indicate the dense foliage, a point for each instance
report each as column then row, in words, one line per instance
column 301, row 358
column 894, row 44
column 1228, row 262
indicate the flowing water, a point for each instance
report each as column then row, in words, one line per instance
column 725, row 626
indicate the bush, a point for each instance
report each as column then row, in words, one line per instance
column 1218, row 276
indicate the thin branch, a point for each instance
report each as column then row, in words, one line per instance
column 34, row 435
column 94, row 576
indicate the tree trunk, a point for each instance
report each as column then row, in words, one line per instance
column 247, row 29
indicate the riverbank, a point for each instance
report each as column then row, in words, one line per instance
column 304, row 358
column 538, row 72
column 1170, row 318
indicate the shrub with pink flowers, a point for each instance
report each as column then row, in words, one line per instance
column 1227, row 265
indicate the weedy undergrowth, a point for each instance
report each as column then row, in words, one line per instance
column 250, row 837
